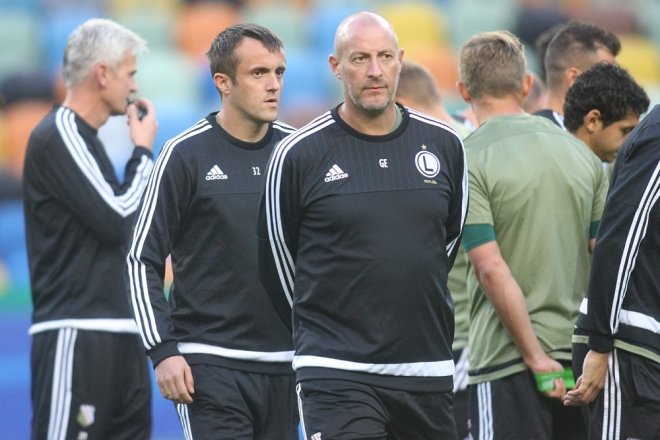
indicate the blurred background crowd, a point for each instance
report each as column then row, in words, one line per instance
column 174, row 75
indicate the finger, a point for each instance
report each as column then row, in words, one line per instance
column 573, row 401
column 162, row 389
column 168, row 385
column 560, row 387
column 131, row 109
column 578, row 383
column 180, row 393
column 559, row 392
column 190, row 382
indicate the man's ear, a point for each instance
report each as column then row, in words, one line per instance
column 223, row 83
column 593, row 121
column 102, row 74
column 570, row 74
column 528, row 81
column 463, row 91
column 334, row 65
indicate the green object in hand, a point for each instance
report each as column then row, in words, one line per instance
column 546, row 381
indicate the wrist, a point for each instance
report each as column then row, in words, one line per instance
column 600, row 343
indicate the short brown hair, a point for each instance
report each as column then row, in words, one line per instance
column 575, row 45
column 493, row 63
column 417, row 84
column 222, row 56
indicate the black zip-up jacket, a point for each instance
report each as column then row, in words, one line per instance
column 622, row 305
column 358, row 234
column 78, row 218
column 201, row 207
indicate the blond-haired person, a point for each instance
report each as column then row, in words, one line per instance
column 537, row 194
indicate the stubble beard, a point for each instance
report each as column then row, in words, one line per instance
column 372, row 109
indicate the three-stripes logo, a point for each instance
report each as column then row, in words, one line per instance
column 215, row 174
column 335, row 173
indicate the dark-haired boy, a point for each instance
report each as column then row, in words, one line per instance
column 220, row 351
column 602, row 107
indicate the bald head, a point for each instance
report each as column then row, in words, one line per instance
column 355, row 24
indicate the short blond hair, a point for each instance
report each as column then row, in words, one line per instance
column 493, row 64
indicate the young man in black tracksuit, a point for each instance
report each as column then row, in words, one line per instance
column 616, row 346
column 219, row 349
column 90, row 378
column 359, row 225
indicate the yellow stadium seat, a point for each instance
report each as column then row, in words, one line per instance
column 121, row 7
column 416, row 22
column 640, row 56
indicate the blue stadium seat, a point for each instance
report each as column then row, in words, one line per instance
column 154, row 25
column 173, row 118
column 469, row 17
column 166, row 76
column 56, row 29
column 286, row 20
column 324, row 18
column 310, row 88
column 19, row 41
column 31, row 6
column 13, row 249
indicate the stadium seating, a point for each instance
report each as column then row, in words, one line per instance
column 287, row 21
column 56, row 28
column 121, row 7
column 640, row 56
column 198, row 23
column 19, row 120
column 31, row 6
column 13, row 252
column 167, row 76
column 323, row 19
column 469, row 17
column 442, row 61
column 173, row 118
column 155, row 26
column 19, row 41
column 416, row 23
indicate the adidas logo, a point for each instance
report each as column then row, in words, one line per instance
column 335, row 173
column 215, row 174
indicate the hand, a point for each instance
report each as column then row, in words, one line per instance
column 592, row 380
column 143, row 132
column 545, row 364
column 175, row 380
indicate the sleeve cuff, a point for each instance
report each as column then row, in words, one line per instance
column 600, row 343
column 162, row 351
column 477, row 234
column 593, row 229
column 139, row 151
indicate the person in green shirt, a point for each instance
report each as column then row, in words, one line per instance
column 536, row 197
column 417, row 89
